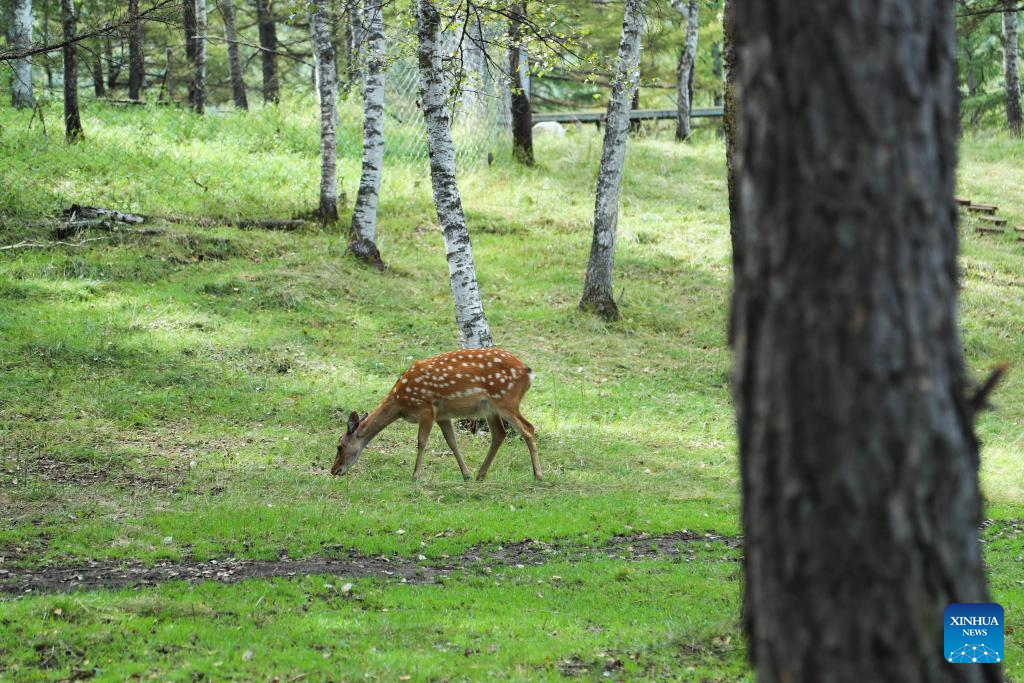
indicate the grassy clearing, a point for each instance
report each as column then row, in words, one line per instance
column 181, row 395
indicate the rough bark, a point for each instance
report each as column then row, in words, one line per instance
column 197, row 86
column 1011, row 70
column 327, row 90
column 72, row 119
column 99, row 87
column 136, row 59
column 518, row 68
column 22, row 95
column 469, row 308
column 684, row 69
column 731, row 133
column 362, row 238
column 857, row 452
column 268, row 52
column 597, row 287
column 227, row 11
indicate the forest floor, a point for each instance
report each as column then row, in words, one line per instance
column 171, row 401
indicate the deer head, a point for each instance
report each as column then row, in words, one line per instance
column 349, row 445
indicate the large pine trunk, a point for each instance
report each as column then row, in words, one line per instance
column 518, row 68
column 1012, row 72
column 268, row 49
column 72, row 119
column 136, row 59
column 327, row 84
column 685, row 67
column 362, row 238
column 113, row 66
column 227, row 12
column 597, row 287
column 858, row 458
column 22, row 95
column 469, row 308
column 729, row 130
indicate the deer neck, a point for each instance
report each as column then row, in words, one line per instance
column 376, row 422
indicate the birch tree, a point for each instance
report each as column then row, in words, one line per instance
column 1011, row 70
column 72, row 119
column 136, row 58
column 22, row 95
column 858, row 457
column 519, row 74
column 362, row 239
column 684, row 69
column 597, row 287
column 327, row 84
column 195, row 50
column 268, row 49
column 227, row 12
column 731, row 135
column 469, row 308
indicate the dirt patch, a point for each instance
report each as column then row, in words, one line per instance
column 483, row 559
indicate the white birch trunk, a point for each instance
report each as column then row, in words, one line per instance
column 227, row 11
column 684, row 70
column 21, row 38
column 597, row 287
column 1012, row 72
column 362, row 240
column 327, row 85
column 469, row 308
column 199, row 79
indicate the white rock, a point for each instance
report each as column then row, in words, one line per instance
column 549, row 128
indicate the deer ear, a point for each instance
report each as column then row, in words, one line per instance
column 353, row 421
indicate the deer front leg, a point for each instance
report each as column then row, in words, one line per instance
column 449, row 436
column 497, row 428
column 426, row 424
column 526, row 429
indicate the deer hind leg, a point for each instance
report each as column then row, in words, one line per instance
column 449, row 436
column 426, row 424
column 526, row 429
column 497, row 436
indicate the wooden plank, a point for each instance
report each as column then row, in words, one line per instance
column 636, row 115
column 985, row 229
column 963, row 201
column 983, row 208
column 1018, row 228
column 994, row 220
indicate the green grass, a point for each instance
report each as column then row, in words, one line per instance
column 180, row 396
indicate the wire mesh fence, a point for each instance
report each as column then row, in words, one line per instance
column 481, row 124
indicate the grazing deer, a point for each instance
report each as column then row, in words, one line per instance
column 486, row 383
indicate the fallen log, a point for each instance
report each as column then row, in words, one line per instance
column 982, row 229
column 982, row 208
column 995, row 220
column 77, row 212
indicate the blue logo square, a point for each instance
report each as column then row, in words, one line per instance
column 973, row 633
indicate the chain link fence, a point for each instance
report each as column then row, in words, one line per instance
column 482, row 119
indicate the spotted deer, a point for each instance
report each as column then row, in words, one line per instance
column 469, row 383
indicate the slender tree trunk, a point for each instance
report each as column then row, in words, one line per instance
column 353, row 39
column 469, row 308
column 169, row 76
column 268, row 49
column 99, row 87
column 136, row 58
column 46, row 41
column 362, row 240
column 227, row 11
column 72, row 120
column 729, row 129
column 522, row 109
column 1012, row 72
column 716, row 69
column 197, row 87
column 857, row 452
column 113, row 68
column 327, row 89
column 22, row 95
column 684, row 70
column 597, row 287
